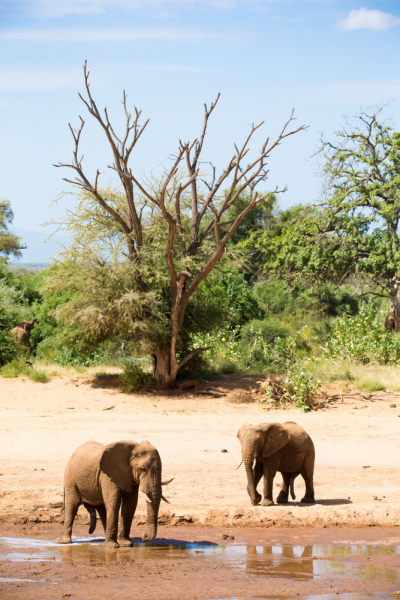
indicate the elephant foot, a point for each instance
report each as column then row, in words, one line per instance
column 64, row 539
column 257, row 499
column 125, row 542
column 282, row 498
column 308, row 500
column 267, row 502
column 110, row 545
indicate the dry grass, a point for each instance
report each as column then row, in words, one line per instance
column 240, row 396
column 54, row 370
column 355, row 376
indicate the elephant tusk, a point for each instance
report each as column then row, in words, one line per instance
column 239, row 465
column 165, row 500
column 167, row 482
column 147, row 498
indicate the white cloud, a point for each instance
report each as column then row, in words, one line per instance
column 105, row 35
column 369, row 19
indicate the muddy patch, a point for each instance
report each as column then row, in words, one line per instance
column 191, row 567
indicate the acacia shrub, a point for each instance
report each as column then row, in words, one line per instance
column 362, row 337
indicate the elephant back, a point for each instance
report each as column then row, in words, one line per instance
column 83, row 471
column 299, row 437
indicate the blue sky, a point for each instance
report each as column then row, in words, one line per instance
column 326, row 58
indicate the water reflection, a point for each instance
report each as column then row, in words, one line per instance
column 291, row 562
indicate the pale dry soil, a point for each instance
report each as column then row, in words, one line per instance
column 357, row 489
column 357, row 451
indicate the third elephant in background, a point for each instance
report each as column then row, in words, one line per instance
column 271, row 447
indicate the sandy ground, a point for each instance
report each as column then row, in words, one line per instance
column 357, row 453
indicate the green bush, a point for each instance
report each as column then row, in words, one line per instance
column 48, row 349
column 9, row 345
column 68, row 358
column 273, row 298
column 36, row 375
column 13, row 368
column 362, row 337
column 371, row 386
column 268, row 343
column 299, row 389
column 133, row 377
column 243, row 306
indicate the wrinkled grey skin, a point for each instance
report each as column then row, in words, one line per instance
column 273, row 447
column 23, row 330
column 107, row 478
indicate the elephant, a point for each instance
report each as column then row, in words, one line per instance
column 392, row 321
column 23, row 330
column 105, row 478
column 277, row 447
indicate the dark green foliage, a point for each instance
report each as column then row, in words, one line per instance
column 355, row 229
column 197, row 368
column 258, row 219
column 134, row 377
column 336, row 302
column 242, row 304
column 9, row 243
column 273, row 298
column 267, row 330
column 9, row 346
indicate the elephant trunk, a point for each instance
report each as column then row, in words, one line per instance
column 152, row 514
column 251, row 487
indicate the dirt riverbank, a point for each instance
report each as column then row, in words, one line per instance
column 357, row 453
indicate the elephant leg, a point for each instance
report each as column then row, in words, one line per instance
column 128, row 508
column 101, row 511
column 112, row 502
column 258, row 473
column 72, row 501
column 269, row 474
column 283, row 495
column 307, row 473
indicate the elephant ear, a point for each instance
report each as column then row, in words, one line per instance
column 241, row 431
column 115, row 463
column 276, row 438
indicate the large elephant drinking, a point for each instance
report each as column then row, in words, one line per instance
column 273, row 447
column 107, row 478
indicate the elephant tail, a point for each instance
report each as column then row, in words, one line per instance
column 63, row 506
column 291, row 484
column 92, row 511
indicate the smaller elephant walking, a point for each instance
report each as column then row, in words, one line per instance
column 23, row 330
column 107, row 478
column 273, row 447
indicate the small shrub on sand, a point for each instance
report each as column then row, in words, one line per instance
column 36, row 375
column 371, row 386
column 133, row 378
column 240, row 396
column 13, row 368
column 297, row 389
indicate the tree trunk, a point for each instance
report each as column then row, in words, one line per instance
column 394, row 291
column 165, row 369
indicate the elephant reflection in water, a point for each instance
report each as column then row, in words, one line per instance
column 95, row 553
column 280, row 561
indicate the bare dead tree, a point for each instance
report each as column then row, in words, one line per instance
column 207, row 209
